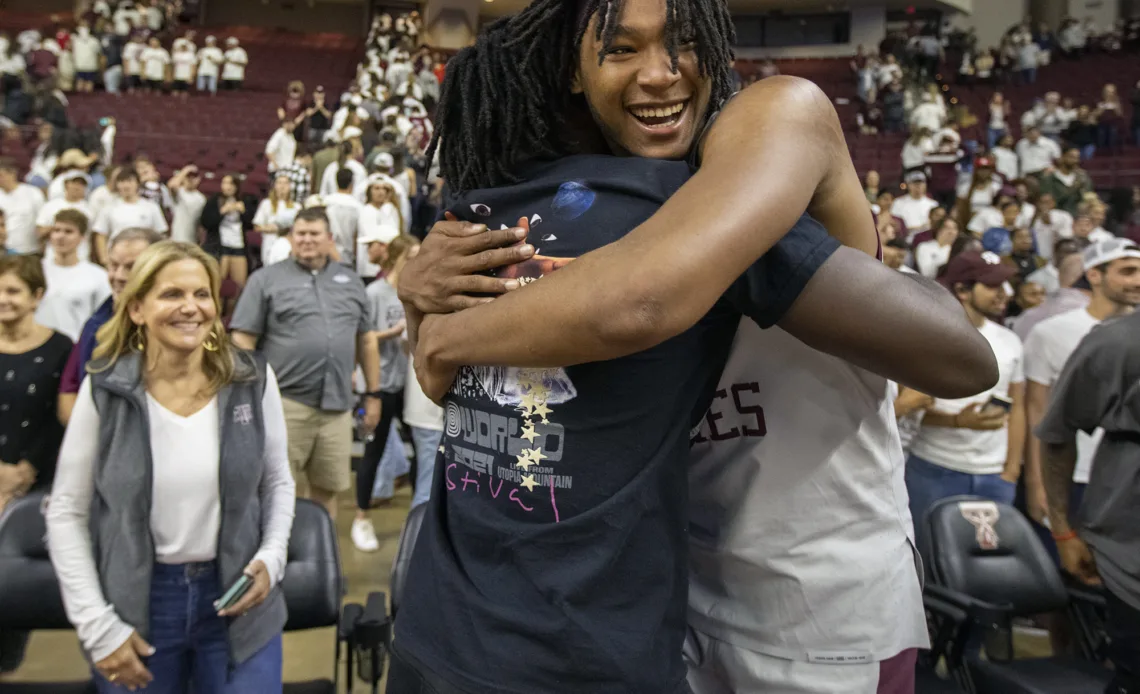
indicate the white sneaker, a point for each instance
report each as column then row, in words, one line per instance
column 364, row 535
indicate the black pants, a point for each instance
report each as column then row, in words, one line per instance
column 391, row 405
column 1123, row 627
column 407, row 678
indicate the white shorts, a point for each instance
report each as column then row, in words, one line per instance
column 718, row 667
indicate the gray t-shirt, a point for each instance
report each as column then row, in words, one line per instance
column 387, row 311
column 1100, row 387
column 307, row 322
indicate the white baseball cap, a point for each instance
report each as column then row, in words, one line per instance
column 1103, row 252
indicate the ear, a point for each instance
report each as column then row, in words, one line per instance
column 134, row 312
column 576, row 82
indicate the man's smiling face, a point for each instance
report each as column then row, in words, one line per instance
column 643, row 108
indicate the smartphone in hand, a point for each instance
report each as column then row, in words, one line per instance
column 1000, row 401
column 231, row 596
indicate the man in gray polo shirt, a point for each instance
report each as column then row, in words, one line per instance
column 309, row 316
column 1100, row 387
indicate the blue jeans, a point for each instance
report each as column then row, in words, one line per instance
column 426, row 442
column 208, row 83
column 927, row 483
column 113, row 79
column 393, row 463
column 190, row 640
column 993, row 135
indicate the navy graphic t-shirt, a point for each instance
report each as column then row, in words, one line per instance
column 553, row 555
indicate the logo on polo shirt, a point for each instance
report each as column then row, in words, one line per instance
column 342, row 279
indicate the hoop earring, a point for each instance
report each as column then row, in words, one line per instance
column 210, row 344
column 140, row 341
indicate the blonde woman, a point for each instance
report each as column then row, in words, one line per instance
column 379, row 219
column 173, row 481
column 275, row 215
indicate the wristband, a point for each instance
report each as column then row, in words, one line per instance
column 1065, row 537
column 372, row 394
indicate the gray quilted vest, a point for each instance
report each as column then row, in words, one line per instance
column 121, row 505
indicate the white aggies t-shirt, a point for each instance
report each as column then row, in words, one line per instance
column 73, row 294
column 966, row 450
column 1048, row 347
column 915, row 213
column 209, row 58
column 184, row 62
column 120, row 214
column 154, row 62
column 800, row 534
column 236, row 60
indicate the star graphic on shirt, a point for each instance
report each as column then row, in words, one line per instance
column 539, row 391
column 442, row 449
column 542, row 410
column 523, row 460
column 528, row 401
column 535, row 454
column 529, row 433
column 526, row 410
column 529, row 482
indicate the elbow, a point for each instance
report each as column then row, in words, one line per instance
column 634, row 321
column 970, row 368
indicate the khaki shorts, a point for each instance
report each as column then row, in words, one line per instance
column 320, row 446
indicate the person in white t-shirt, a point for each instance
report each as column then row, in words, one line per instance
column 274, row 217
column 1036, row 153
column 974, row 445
column 184, row 63
column 132, row 63
column 931, row 255
column 155, row 61
column 75, row 287
column 129, row 210
column 1112, row 269
column 914, row 207
column 344, row 210
column 75, row 198
column 1050, row 225
column 210, row 61
column 86, row 50
column 21, row 204
column 188, row 203
column 281, row 149
column 126, row 19
column 233, row 72
column 351, row 152
column 380, row 220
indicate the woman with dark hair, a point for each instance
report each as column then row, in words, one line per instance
column 226, row 217
column 32, row 357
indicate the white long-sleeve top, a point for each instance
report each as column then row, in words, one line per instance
column 185, row 511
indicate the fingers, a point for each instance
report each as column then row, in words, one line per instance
column 140, row 645
column 481, row 284
column 488, row 240
column 125, row 669
column 456, row 229
column 495, row 257
column 256, row 593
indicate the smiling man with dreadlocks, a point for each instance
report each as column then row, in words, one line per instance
column 553, row 556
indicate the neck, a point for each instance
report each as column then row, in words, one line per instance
column 66, row 259
column 8, row 187
column 1102, row 308
column 974, row 316
column 317, row 263
column 19, row 329
column 131, row 198
column 168, row 365
column 393, row 276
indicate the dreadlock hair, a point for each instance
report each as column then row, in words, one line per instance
column 506, row 99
